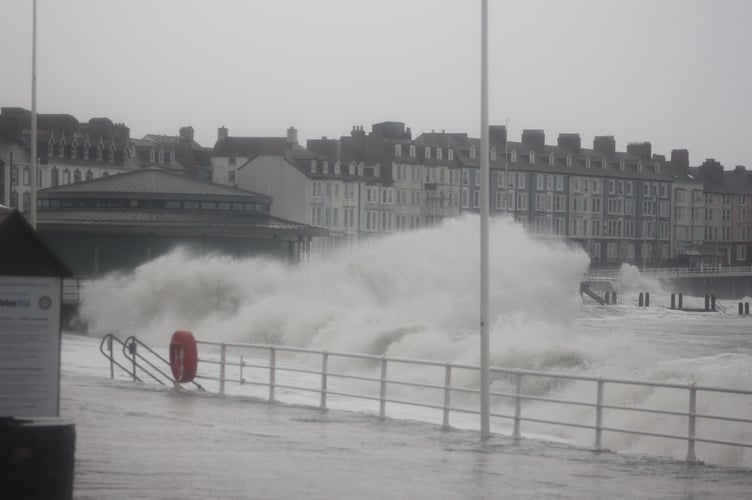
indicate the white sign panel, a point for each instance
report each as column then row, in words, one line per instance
column 29, row 346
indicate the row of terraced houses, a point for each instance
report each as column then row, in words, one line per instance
column 621, row 206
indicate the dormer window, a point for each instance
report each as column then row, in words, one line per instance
column 376, row 172
column 172, row 157
column 569, row 160
column 639, row 166
column 439, row 154
column 152, row 156
column 587, row 162
column 514, row 156
column 112, row 154
column 622, row 165
column 412, row 150
column 74, row 150
column 657, row 168
column 100, row 151
column 336, row 168
column 51, row 147
column 531, row 157
column 472, row 152
column 313, row 166
column 398, row 150
column 603, row 163
column 161, row 156
column 450, row 154
column 551, row 159
column 493, row 154
column 352, row 169
column 87, row 146
column 61, row 149
column 428, row 153
column 325, row 167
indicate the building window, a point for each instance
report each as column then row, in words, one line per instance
column 26, row 176
column 439, row 154
column 231, row 176
column 325, row 167
column 172, row 157
column 741, row 254
column 450, row 154
column 472, row 152
column 161, row 156
column 89, row 175
column 551, row 159
column 61, row 149
column 514, row 156
column 531, row 157
column 54, row 177
column 26, row 201
column 100, row 151
column 152, row 155
column 66, row 176
column 603, row 163
column 639, row 167
column 77, row 176
column 587, row 162
column 569, row 160
column 398, row 150
column 427, row 152
column 493, row 154
column 412, row 150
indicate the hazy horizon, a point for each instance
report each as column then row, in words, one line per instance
column 671, row 72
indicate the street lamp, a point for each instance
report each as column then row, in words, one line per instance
column 485, row 384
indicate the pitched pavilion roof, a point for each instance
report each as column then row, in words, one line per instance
column 150, row 181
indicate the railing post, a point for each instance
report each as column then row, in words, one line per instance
column 242, row 365
column 272, row 366
column 382, row 391
column 517, row 405
column 132, row 348
column 324, row 369
column 691, row 457
column 222, row 361
column 112, row 360
column 599, row 416
column 447, row 394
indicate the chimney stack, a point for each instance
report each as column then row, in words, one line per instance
column 680, row 158
column 222, row 133
column 186, row 134
column 292, row 137
column 604, row 144
column 643, row 150
column 572, row 142
column 536, row 139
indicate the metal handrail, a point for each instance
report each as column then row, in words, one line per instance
column 109, row 338
column 130, row 351
column 517, row 376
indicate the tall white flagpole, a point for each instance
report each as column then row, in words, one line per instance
column 485, row 384
column 33, row 197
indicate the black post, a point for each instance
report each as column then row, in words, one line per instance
column 607, row 298
column 613, row 297
column 681, row 301
column 741, row 308
column 647, row 299
column 746, row 308
column 707, row 302
column 640, row 301
column 673, row 301
column 712, row 302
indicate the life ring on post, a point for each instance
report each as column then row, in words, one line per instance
column 183, row 356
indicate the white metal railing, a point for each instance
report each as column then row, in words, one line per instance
column 602, row 420
column 674, row 272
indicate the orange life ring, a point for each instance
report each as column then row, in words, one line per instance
column 183, row 356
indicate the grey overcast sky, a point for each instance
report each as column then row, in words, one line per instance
column 677, row 73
